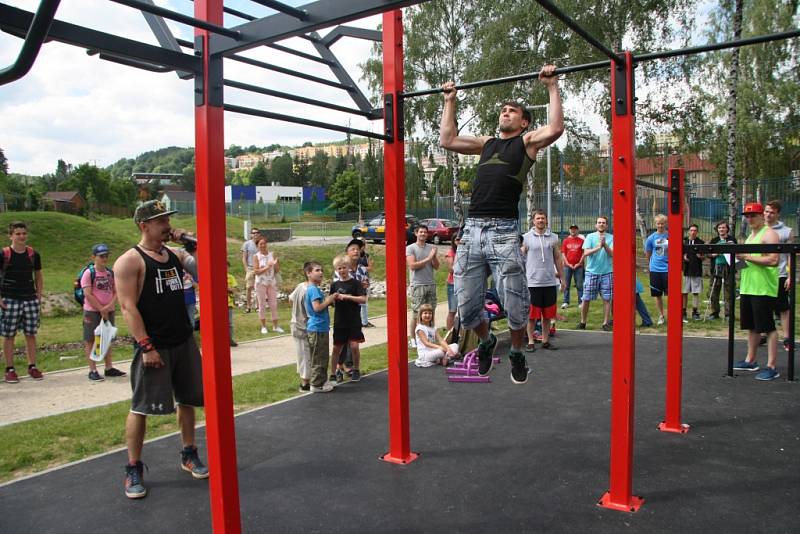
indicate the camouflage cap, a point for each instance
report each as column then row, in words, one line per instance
column 150, row 210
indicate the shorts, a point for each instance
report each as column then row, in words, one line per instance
column 347, row 333
column 543, row 302
column 452, row 302
column 303, row 351
column 20, row 314
column 91, row 319
column 422, row 295
column 249, row 279
column 491, row 245
column 782, row 300
column 692, row 284
column 756, row 313
column 658, row 284
column 180, row 378
column 598, row 283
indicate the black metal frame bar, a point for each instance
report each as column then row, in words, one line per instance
column 288, row 72
column 716, row 46
column 343, row 76
column 785, row 248
column 34, row 38
column 165, row 38
column 350, row 31
column 283, row 8
column 130, row 62
column 659, row 187
column 147, row 7
column 296, row 98
column 577, row 28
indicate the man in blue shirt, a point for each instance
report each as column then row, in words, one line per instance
column 598, row 249
column 655, row 247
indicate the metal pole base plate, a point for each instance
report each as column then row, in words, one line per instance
column 402, row 461
column 680, row 429
column 632, row 506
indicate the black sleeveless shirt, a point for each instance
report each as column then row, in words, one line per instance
column 161, row 303
column 502, row 170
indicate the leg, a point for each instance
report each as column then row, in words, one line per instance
column 8, row 350
column 518, row 339
column 261, row 298
column 107, row 360
column 545, row 330
column 355, row 350
column 584, row 311
column 579, row 275
column 186, row 420
column 30, row 349
column 643, row 312
column 660, row 305
column 753, row 339
column 88, row 347
column 569, row 274
column 772, row 349
column 135, row 427
column 530, row 330
column 606, row 311
column 272, row 298
column 334, row 361
column 364, row 314
column 412, row 325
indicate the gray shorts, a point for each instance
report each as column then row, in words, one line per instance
column 91, row 319
column 422, row 295
column 180, row 380
column 491, row 245
column 692, row 284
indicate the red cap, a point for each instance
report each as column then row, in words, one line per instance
column 753, row 207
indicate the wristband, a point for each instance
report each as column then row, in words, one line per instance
column 145, row 345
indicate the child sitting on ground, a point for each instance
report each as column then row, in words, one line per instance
column 299, row 334
column 431, row 348
column 346, row 318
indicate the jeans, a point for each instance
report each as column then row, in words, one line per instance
column 720, row 286
column 364, row 316
column 576, row 274
column 643, row 313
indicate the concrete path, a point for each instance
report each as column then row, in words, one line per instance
column 70, row 390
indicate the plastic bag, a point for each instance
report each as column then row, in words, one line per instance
column 104, row 334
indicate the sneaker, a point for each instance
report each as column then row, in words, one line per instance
column 768, row 373
column 519, row 367
column 744, row 365
column 327, row 387
column 530, row 348
column 332, row 379
column 264, row 330
column 190, row 462
column 304, row 388
column 660, row 321
column 412, row 344
column 537, row 337
column 279, row 330
column 486, row 355
column 786, row 344
column 94, row 376
column 134, row 481
column 113, row 372
column 564, row 306
column 607, row 327
column 11, row 376
column 369, row 325
column 234, row 344
column 338, row 377
column 685, row 320
column 35, row 373
column 355, row 376
column 581, row 326
column 695, row 316
column 549, row 346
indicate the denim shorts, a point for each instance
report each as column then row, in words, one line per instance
column 491, row 246
column 452, row 302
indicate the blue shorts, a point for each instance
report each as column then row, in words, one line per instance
column 598, row 283
column 491, row 246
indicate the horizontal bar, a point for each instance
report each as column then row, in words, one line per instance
column 660, row 187
column 577, row 28
column 785, row 248
column 351, row 31
column 289, row 72
column 180, row 17
column 306, row 122
column 299, row 53
column 717, row 46
column 509, row 79
column 131, row 62
column 34, row 38
column 283, row 8
column 235, row 13
column 296, row 98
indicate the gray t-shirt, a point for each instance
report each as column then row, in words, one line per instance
column 423, row 276
column 540, row 266
column 784, row 235
column 250, row 249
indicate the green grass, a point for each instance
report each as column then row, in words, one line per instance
column 32, row 446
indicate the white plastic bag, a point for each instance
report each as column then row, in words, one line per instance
column 104, row 334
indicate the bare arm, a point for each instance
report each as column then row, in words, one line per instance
column 129, row 269
column 415, row 265
column 559, row 260
column 767, row 260
column 39, row 279
column 547, row 134
column 358, row 299
column 244, row 261
column 320, row 305
column 448, row 132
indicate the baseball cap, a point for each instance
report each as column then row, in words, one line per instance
column 753, row 207
column 571, row 226
column 354, row 242
column 151, row 210
column 100, row 249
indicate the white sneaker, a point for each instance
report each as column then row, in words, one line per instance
column 564, row 306
column 326, row 388
column 279, row 330
column 264, row 330
column 412, row 344
column 660, row 321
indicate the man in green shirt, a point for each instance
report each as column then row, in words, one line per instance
column 759, row 289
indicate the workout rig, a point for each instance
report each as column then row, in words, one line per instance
column 202, row 61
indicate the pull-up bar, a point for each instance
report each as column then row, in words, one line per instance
column 283, row 8
column 289, row 72
column 296, row 98
column 180, row 17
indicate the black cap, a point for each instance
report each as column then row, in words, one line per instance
column 354, row 241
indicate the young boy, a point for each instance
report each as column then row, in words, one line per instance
column 317, row 326
column 99, row 302
column 232, row 285
column 346, row 317
column 21, row 291
column 298, row 327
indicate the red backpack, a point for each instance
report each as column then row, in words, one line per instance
column 7, row 254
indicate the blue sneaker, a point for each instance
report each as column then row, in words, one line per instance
column 191, row 463
column 134, row 481
column 486, row 355
column 769, row 373
column 744, row 365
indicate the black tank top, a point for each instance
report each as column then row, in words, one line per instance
column 502, row 169
column 161, row 303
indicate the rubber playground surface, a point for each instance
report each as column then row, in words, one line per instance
column 494, row 457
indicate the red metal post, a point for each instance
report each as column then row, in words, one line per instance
column 619, row 497
column 395, row 206
column 672, row 418
column 210, row 188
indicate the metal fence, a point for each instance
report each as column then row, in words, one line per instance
column 247, row 209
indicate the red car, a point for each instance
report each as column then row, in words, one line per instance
column 440, row 230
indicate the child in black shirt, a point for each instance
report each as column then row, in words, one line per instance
column 346, row 317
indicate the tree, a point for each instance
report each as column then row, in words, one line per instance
column 282, row 170
column 318, row 170
column 343, row 192
column 93, row 184
column 300, row 170
column 3, row 163
column 259, row 174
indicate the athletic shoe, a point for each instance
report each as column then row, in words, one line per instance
column 304, row 388
column 744, row 365
column 247, row 310
column 685, row 319
column 191, row 463
column 279, row 330
column 696, row 316
column 234, row 344
column 332, row 379
column 530, row 348
column 11, row 376
column 264, row 330
column 94, row 376
column 768, row 373
column 338, row 377
column 355, row 376
column 660, row 321
column 519, row 367
column 327, row 387
column 564, row 306
column 486, row 355
column 113, row 372
column 134, row 481
column 581, row 326
column 35, row 373
column 549, row 346
column 412, row 344
column 607, row 327
column 786, row 344
column 537, row 337
column 553, row 331
column 369, row 325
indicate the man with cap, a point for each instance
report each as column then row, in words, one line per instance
column 99, row 303
column 572, row 252
column 758, row 288
column 166, row 366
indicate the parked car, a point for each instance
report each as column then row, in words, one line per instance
column 440, row 230
column 375, row 229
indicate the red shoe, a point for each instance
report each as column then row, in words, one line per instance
column 35, row 373
column 11, row 377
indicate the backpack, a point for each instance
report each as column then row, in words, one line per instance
column 77, row 291
column 7, row 254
